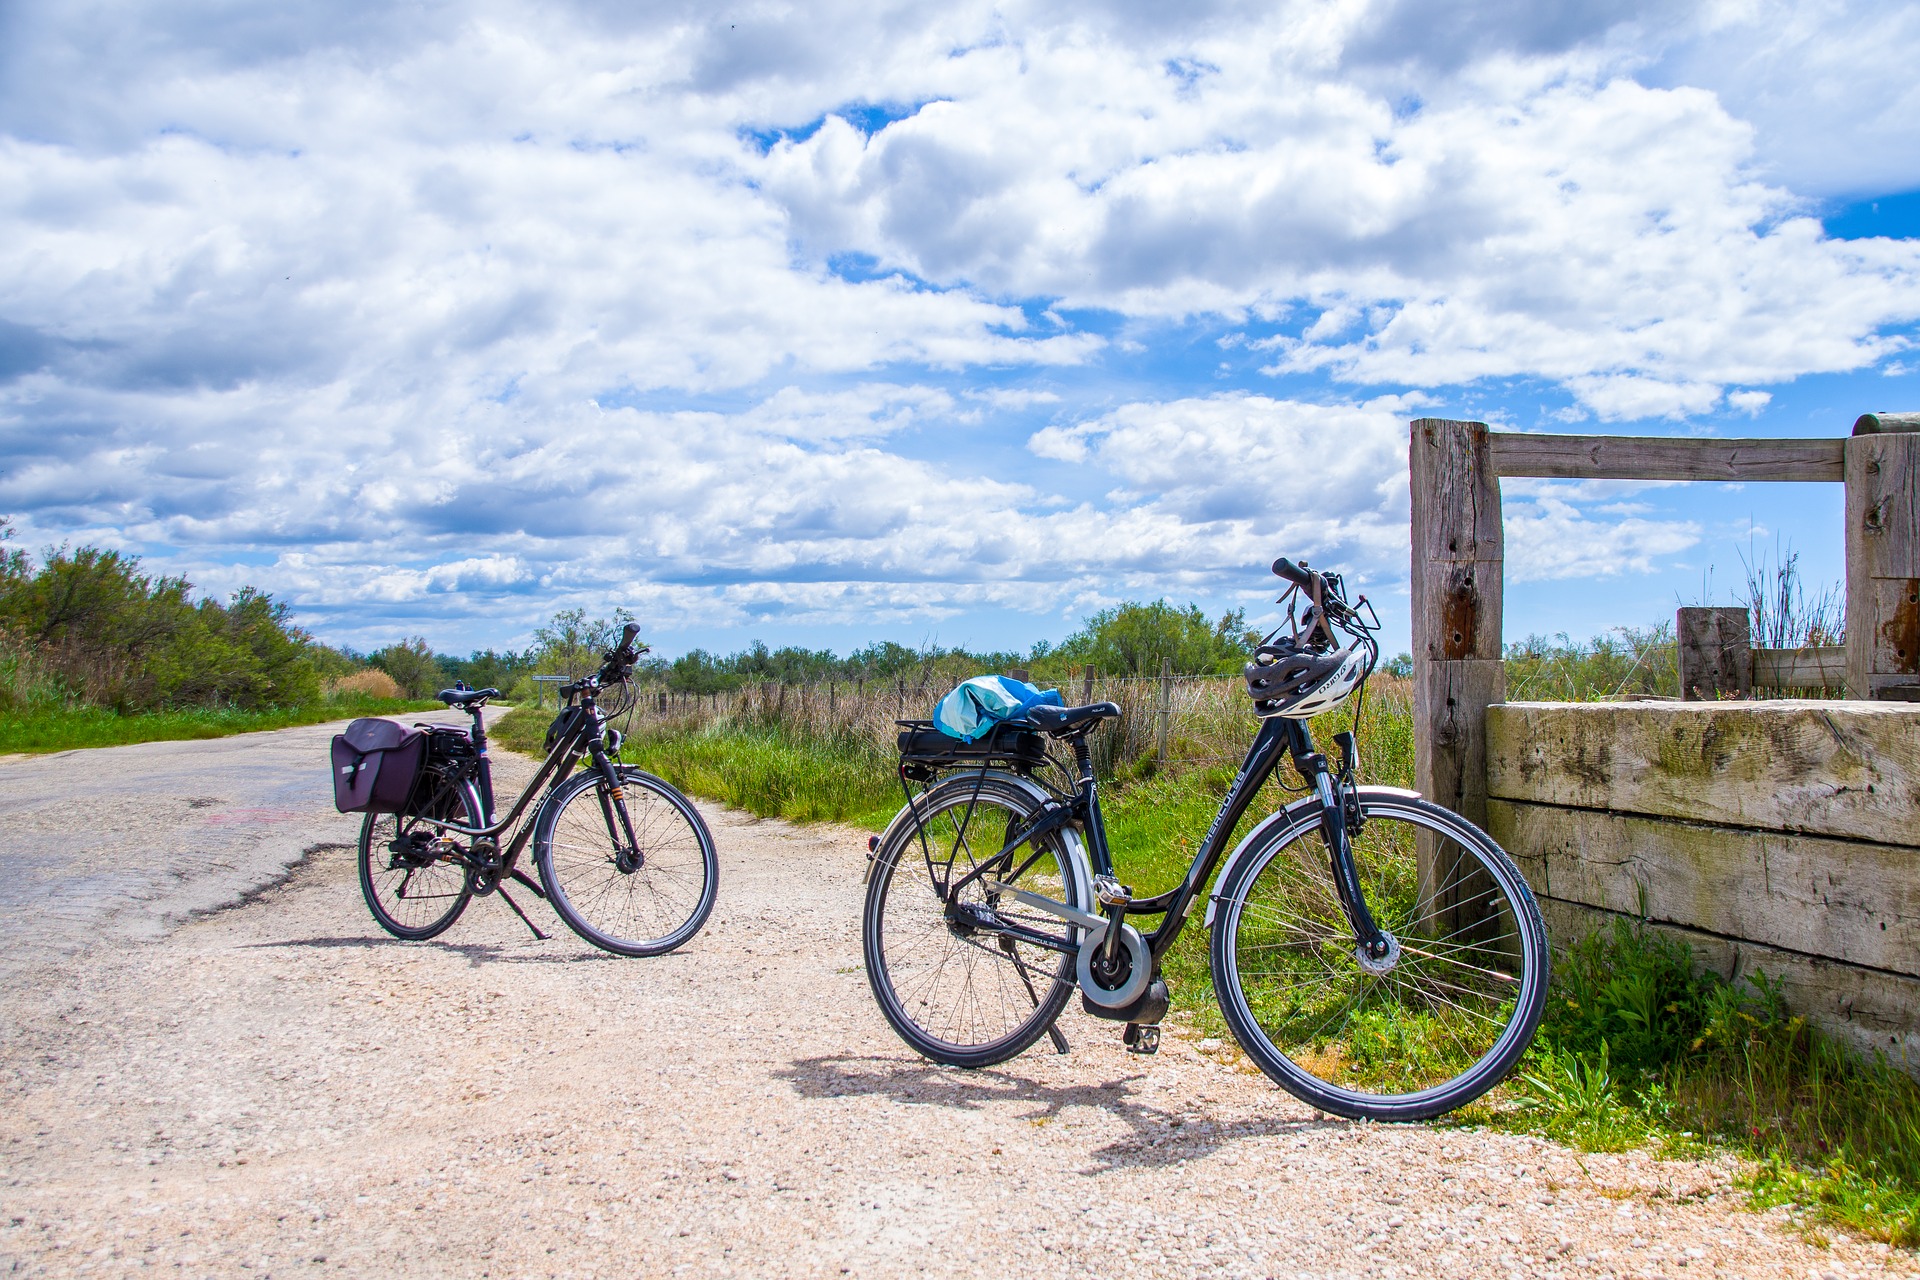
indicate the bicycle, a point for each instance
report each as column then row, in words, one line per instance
column 1374, row 954
column 624, row 859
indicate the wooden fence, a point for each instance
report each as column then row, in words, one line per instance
column 1779, row 835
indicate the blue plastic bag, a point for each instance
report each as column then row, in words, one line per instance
column 984, row 701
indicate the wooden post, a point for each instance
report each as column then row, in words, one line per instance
column 1457, row 580
column 1086, row 687
column 1883, row 561
column 1715, row 653
column 1165, row 711
column 1458, row 575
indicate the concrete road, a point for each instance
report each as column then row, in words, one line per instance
column 126, row 842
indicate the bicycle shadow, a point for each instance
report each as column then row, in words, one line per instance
column 477, row 954
column 1157, row 1136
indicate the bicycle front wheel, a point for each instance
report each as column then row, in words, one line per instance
column 974, row 981
column 1434, row 1024
column 643, row 900
column 409, row 874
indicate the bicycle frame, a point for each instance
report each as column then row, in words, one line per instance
column 586, row 738
column 1276, row 735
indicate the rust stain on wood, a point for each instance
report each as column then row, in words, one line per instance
column 1459, row 616
column 1901, row 630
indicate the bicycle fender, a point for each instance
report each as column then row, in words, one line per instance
column 1081, row 868
column 1306, row 808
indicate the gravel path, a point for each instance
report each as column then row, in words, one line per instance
column 277, row 1089
column 124, row 842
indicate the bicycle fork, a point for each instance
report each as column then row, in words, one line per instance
column 1375, row 949
column 613, row 807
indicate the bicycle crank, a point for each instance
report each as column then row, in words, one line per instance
column 1109, row 985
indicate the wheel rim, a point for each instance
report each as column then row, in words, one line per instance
column 961, row 988
column 1442, row 1017
column 632, row 902
column 411, row 898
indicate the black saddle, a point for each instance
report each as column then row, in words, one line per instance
column 1061, row 721
column 466, row 697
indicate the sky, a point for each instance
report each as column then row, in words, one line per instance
column 829, row 323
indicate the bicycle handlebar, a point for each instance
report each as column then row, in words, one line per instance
column 1302, row 578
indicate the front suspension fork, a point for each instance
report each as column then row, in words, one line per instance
column 1367, row 933
column 613, row 805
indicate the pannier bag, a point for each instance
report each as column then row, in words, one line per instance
column 375, row 766
column 985, row 701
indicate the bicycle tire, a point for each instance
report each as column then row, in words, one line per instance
column 394, row 884
column 1449, row 1017
column 915, row 958
column 647, row 910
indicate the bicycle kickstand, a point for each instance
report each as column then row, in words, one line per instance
column 502, row 891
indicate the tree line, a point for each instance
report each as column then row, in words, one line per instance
column 91, row 625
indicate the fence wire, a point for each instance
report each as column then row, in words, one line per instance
column 1190, row 721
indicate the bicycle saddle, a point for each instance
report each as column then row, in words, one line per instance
column 1060, row 721
column 464, row 697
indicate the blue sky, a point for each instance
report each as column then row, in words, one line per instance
column 830, row 323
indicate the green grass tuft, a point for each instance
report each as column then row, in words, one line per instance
column 42, row 727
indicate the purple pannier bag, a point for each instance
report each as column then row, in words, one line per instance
column 375, row 766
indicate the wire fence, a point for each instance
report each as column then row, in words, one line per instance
column 1185, row 720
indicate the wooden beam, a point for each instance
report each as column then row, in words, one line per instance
column 1664, row 458
column 1809, row 667
column 1848, row 900
column 1872, row 1009
column 1848, row 770
column 1883, row 565
column 1874, row 423
column 1715, row 653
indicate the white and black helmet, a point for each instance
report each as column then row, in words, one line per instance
column 1293, row 681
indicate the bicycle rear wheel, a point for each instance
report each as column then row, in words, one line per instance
column 642, row 902
column 408, row 875
column 953, row 986
column 1436, row 1024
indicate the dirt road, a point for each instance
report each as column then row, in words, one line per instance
column 279, row 1090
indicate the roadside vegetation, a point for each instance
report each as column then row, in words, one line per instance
column 96, row 652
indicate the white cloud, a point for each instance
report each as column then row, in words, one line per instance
column 446, row 311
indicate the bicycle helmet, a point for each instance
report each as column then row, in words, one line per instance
column 1286, row 679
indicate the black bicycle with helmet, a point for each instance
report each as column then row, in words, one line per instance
column 1376, row 955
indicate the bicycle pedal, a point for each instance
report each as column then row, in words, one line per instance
column 1141, row 1038
column 1111, row 893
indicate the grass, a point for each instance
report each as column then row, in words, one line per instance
column 40, row 727
column 1638, row 1046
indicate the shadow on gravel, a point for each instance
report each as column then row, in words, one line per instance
column 476, row 954
column 1158, row 1136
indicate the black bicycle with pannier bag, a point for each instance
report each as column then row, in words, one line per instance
column 623, row 857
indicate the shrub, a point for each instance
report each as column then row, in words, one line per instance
column 371, row 683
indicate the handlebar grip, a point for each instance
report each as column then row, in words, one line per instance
column 1293, row 573
column 626, row 636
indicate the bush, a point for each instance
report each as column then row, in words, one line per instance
column 89, row 626
column 412, row 665
column 371, row 683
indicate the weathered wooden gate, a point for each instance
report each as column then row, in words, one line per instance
column 1781, row 835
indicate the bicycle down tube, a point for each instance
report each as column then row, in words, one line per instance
column 1276, row 736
